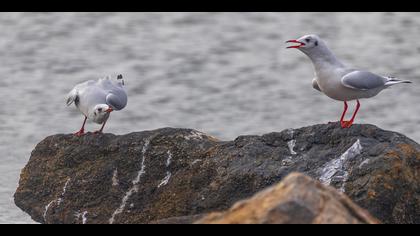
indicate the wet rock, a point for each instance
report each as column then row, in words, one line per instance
column 148, row 176
column 297, row 199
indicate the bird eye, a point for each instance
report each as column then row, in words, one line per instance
column 99, row 109
column 307, row 40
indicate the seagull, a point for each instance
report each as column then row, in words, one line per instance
column 336, row 80
column 96, row 99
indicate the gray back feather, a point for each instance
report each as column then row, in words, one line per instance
column 363, row 80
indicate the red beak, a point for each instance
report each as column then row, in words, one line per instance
column 109, row 110
column 295, row 41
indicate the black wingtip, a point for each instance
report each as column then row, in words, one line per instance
column 405, row 81
column 119, row 76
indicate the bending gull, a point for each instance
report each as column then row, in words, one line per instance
column 96, row 99
column 336, row 80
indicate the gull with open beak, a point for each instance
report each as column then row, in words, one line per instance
column 338, row 81
column 96, row 99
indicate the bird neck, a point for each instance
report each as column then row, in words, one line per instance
column 323, row 58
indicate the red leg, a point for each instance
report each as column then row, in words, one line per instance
column 349, row 123
column 102, row 128
column 82, row 130
column 342, row 122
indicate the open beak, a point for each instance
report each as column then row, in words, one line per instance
column 109, row 110
column 300, row 44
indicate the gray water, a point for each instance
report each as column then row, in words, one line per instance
column 226, row 74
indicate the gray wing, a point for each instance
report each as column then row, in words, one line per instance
column 117, row 99
column 363, row 80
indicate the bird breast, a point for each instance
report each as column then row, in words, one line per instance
column 329, row 81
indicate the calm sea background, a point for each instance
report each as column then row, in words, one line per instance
column 226, row 74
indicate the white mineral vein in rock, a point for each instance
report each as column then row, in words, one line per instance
column 135, row 187
column 46, row 209
column 168, row 173
column 168, row 161
column 365, row 162
column 291, row 144
column 165, row 180
column 332, row 167
column 196, row 161
column 84, row 218
column 58, row 200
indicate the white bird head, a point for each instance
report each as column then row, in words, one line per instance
column 100, row 113
column 316, row 49
column 307, row 43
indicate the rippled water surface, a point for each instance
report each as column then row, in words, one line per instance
column 226, row 74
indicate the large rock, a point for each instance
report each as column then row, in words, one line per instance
column 175, row 173
column 297, row 199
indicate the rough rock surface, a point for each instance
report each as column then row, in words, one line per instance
column 148, row 176
column 297, row 199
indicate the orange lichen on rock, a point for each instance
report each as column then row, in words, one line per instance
column 409, row 150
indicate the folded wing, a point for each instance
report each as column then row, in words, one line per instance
column 363, row 80
column 118, row 100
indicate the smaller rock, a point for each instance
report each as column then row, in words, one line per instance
column 297, row 199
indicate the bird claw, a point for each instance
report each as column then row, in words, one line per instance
column 346, row 124
column 98, row 132
column 80, row 133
